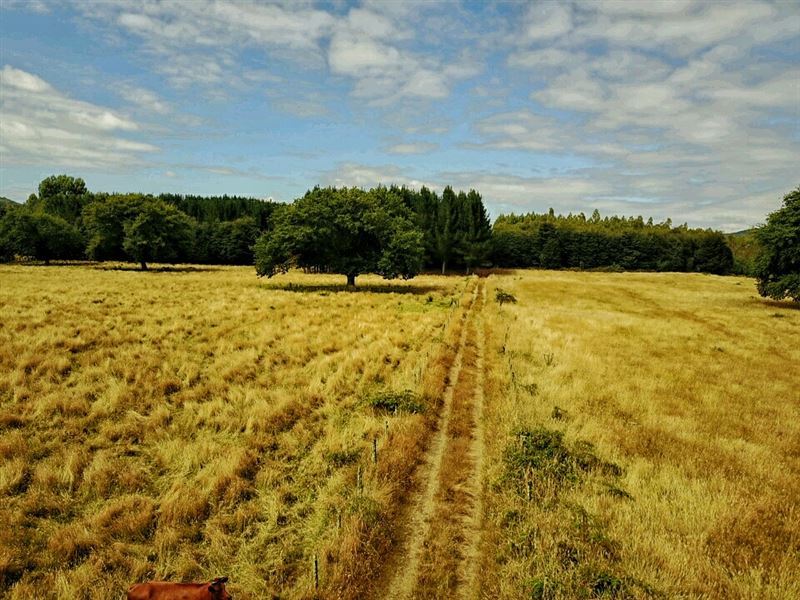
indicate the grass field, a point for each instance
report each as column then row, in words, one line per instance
column 634, row 435
column 657, row 419
column 185, row 425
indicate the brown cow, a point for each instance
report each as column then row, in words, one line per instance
column 163, row 590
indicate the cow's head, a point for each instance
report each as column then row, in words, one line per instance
column 217, row 589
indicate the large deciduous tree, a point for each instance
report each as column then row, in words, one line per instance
column 38, row 235
column 136, row 227
column 63, row 196
column 347, row 231
column 104, row 220
column 778, row 268
column 159, row 232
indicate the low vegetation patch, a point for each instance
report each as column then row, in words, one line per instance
column 502, row 297
column 540, row 458
column 394, row 402
column 568, row 547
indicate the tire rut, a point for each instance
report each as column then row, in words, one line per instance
column 440, row 554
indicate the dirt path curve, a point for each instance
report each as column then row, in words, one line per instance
column 439, row 555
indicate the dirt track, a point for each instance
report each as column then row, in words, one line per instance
column 438, row 557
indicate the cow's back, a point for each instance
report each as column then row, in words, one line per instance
column 158, row 590
column 139, row 591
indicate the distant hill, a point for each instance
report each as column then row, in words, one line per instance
column 7, row 204
column 743, row 232
column 745, row 248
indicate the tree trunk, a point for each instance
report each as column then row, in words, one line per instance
column 444, row 264
column 351, row 280
column 46, row 262
column 144, row 265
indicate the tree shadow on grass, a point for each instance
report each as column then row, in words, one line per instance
column 120, row 266
column 367, row 288
column 780, row 304
column 159, row 269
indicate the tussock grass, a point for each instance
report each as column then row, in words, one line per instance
column 688, row 390
column 189, row 423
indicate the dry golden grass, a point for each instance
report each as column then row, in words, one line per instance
column 641, row 433
column 195, row 423
column 687, row 387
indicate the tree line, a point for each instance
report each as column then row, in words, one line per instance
column 553, row 241
column 442, row 231
column 66, row 221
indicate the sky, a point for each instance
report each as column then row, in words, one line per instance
column 683, row 109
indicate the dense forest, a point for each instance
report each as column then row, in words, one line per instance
column 66, row 221
column 621, row 243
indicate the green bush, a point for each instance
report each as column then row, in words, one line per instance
column 396, row 401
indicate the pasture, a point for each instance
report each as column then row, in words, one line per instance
column 644, row 438
column 190, row 424
column 609, row 434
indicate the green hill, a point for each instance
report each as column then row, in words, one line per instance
column 745, row 248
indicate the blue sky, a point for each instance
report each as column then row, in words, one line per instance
column 667, row 109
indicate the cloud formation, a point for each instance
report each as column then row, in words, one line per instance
column 674, row 108
column 42, row 125
column 684, row 109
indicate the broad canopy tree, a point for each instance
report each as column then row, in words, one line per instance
column 343, row 230
column 63, row 196
column 38, row 235
column 160, row 232
column 137, row 227
column 778, row 267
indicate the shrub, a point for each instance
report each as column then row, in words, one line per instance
column 393, row 401
column 502, row 297
column 543, row 453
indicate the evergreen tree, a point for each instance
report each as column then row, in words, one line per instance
column 446, row 233
column 476, row 238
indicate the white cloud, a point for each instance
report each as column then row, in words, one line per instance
column 37, row 6
column 412, row 148
column 20, row 80
column 145, row 99
column 363, row 48
column 547, row 20
column 540, row 58
column 366, row 176
column 198, row 43
column 41, row 125
column 673, row 102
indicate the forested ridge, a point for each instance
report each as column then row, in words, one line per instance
column 626, row 243
column 67, row 221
